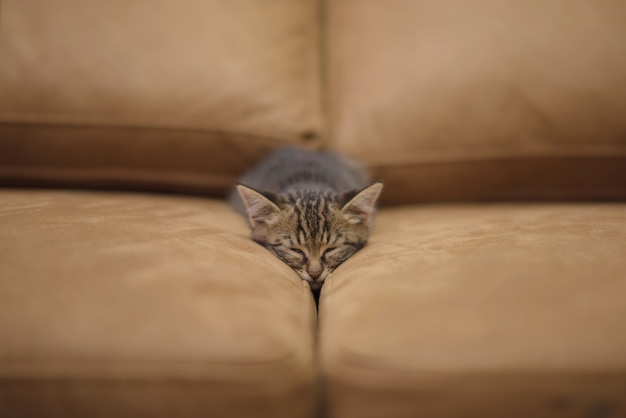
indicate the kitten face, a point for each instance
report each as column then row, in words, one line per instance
column 311, row 232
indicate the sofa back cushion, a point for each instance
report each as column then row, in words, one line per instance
column 153, row 95
column 482, row 99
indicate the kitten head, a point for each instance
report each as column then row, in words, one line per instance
column 312, row 232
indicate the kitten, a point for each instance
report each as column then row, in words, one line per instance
column 312, row 210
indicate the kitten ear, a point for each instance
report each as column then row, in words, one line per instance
column 259, row 207
column 359, row 208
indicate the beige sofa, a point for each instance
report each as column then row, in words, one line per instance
column 494, row 284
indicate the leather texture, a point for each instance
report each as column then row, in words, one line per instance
column 472, row 100
column 138, row 305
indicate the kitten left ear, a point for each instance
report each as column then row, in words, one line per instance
column 259, row 207
column 360, row 208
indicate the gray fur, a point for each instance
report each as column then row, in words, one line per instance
column 286, row 170
column 312, row 210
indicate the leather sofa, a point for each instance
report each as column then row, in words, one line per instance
column 494, row 283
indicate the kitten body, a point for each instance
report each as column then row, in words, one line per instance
column 312, row 210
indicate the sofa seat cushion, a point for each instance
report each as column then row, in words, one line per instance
column 117, row 304
column 480, row 310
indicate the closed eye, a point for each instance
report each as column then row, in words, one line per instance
column 328, row 252
column 337, row 255
column 299, row 254
column 293, row 257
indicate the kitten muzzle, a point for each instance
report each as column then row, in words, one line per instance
column 315, row 280
column 314, row 274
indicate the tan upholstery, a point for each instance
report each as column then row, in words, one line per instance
column 152, row 94
column 129, row 304
column 481, row 99
column 480, row 311
column 134, row 305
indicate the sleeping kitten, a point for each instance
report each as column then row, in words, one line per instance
column 312, row 210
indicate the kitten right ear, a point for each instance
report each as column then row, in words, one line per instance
column 360, row 208
column 259, row 207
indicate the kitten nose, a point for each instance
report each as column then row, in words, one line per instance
column 314, row 274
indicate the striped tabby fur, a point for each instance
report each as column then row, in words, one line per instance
column 311, row 210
